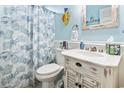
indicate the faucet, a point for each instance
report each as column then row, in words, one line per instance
column 94, row 49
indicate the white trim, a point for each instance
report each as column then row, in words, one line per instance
column 102, row 43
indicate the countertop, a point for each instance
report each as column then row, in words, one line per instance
column 107, row 60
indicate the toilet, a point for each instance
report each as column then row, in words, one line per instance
column 47, row 74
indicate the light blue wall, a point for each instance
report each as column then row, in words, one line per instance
column 64, row 32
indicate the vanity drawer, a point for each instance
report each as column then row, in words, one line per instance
column 72, row 63
column 91, row 68
column 83, row 67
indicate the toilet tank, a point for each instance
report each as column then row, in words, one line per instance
column 59, row 57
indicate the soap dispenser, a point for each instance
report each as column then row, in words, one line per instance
column 81, row 45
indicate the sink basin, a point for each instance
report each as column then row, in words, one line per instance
column 91, row 54
column 87, row 53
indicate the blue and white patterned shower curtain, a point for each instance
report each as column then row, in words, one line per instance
column 26, row 42
column 43, row 36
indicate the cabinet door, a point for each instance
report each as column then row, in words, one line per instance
column 70, row 78
column 89, row 82
column 76, row 73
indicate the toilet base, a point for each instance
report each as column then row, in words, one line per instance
column 49, row 84
column 48, row 80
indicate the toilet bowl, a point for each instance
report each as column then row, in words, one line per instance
column 47, row 74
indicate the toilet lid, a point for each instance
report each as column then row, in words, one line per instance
column 48, row 69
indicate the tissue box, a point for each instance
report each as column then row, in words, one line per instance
column 113, row 49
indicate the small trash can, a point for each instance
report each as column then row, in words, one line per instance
column 60, row 84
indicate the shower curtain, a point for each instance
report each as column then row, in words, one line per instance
column 26, row 42
column 43, row 36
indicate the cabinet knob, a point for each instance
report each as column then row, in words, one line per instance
column 76, row 84
column 79, row 86
column 78, row 64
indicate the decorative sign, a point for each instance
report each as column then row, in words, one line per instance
column 66, row 16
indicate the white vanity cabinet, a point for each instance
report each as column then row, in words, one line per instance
column 82, row 74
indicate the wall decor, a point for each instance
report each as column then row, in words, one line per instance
column 66, row 16
column 99, row 16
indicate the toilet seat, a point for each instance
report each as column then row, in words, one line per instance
column 48, row 69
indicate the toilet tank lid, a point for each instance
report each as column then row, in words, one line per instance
column 48, row 69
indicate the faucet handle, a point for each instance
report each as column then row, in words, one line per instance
column 94, row 49
column 101, row 50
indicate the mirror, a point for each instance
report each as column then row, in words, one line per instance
column 99, row 16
